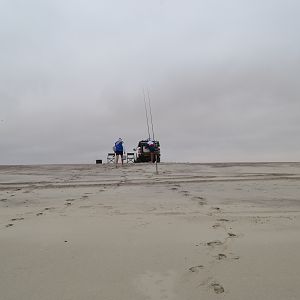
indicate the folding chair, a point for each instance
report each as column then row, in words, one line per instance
column 130, row 157
column 110, row 158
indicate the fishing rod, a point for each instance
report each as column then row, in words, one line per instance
column 149, row 102
column 146, row 114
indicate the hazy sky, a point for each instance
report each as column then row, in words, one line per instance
column 223, row 78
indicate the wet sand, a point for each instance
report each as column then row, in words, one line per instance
column 193, row 231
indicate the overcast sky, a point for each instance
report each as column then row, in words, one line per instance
column 223, row 78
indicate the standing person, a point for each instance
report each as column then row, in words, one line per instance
column 151, row 147
column 119, row 150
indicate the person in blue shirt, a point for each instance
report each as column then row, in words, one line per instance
column 119, row 150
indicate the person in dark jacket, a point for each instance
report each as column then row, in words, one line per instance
column 119, row 150
column 151, row 147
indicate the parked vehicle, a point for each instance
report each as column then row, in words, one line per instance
column 142, row 152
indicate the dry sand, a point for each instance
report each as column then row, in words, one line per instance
column 194, row 231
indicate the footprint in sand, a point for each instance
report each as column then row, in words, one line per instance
column 200, row 200
column 217, row 287
column 201, row 244
column 196, row 268
column 9, row 225
column 173, row 189
column 39, row 214
column 198, row 197
column 221, row 256
column 185, row 193
column 152, row 209
column 231, row 256
column 223, row 220
column 17, row 219
column 3, row 200
column 234, row 257
column 216, row 208
column 216, row 225
column 214, row 243
column 49, row 208
column 231, row 234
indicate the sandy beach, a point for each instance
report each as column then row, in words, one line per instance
column 193, row 231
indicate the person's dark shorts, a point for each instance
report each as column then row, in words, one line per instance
column 119, row 153
column 152, row 149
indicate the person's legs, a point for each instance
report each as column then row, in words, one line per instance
column 122, row 158
column 117, row 158
column 152, row 156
